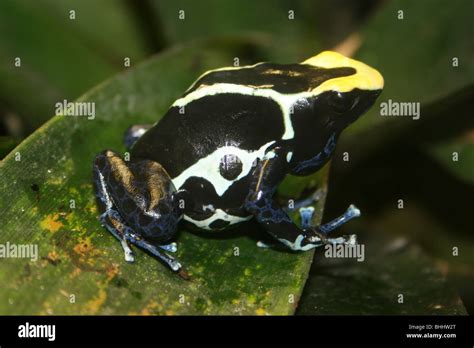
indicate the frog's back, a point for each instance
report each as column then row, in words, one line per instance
column 210, row 125
column 246, row 108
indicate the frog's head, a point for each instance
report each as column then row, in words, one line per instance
column 343, row 99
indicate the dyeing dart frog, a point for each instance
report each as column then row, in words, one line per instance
column 219, row 153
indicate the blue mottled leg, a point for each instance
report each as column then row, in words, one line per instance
column 134, row 133
column 351, row 212
column 170, row 261
column 115, row 224
column 138, row 205
column 106, row 205
column 112, row 220
column 306, row 214
column 118, row 231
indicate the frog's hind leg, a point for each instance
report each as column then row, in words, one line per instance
column 138, row 205
column 115, row 225
column 133, row 133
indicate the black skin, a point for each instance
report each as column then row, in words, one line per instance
column 138, row 201
column 260, row 200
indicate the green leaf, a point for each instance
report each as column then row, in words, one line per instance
column 77, row 257
column 65, row 59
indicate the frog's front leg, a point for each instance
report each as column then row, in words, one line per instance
column 267, row 175
column 138, row 204
column 306, row 214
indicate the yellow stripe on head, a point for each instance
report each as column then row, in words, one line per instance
column 365, row 78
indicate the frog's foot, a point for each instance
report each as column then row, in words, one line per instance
column 307, row 214
column 138, row 205
column 134, row 133
column 128, row 253
column 319, row 234
column 172, row 247
column 114, row 223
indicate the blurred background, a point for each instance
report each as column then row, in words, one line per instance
column 423, row 48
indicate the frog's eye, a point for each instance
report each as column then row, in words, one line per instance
column 341, row 103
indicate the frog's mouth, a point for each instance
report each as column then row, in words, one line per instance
column 366, row 101
column 360, row 101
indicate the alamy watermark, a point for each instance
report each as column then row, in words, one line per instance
column 394, row 108
column 66, row 108
column 23, row 251
column 348, row 250
column 28, row 330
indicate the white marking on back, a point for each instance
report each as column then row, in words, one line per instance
column 208, row 167
column 227, row 68
column 219, row 214
column 286, row 101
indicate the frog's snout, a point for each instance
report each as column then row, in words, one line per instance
column 369, row 78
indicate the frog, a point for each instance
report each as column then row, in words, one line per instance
column 217, row 156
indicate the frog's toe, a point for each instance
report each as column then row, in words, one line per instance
column 128, row 253
column 318, row 235
column 307, row 213
column 129, row 257
column 172, row 247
